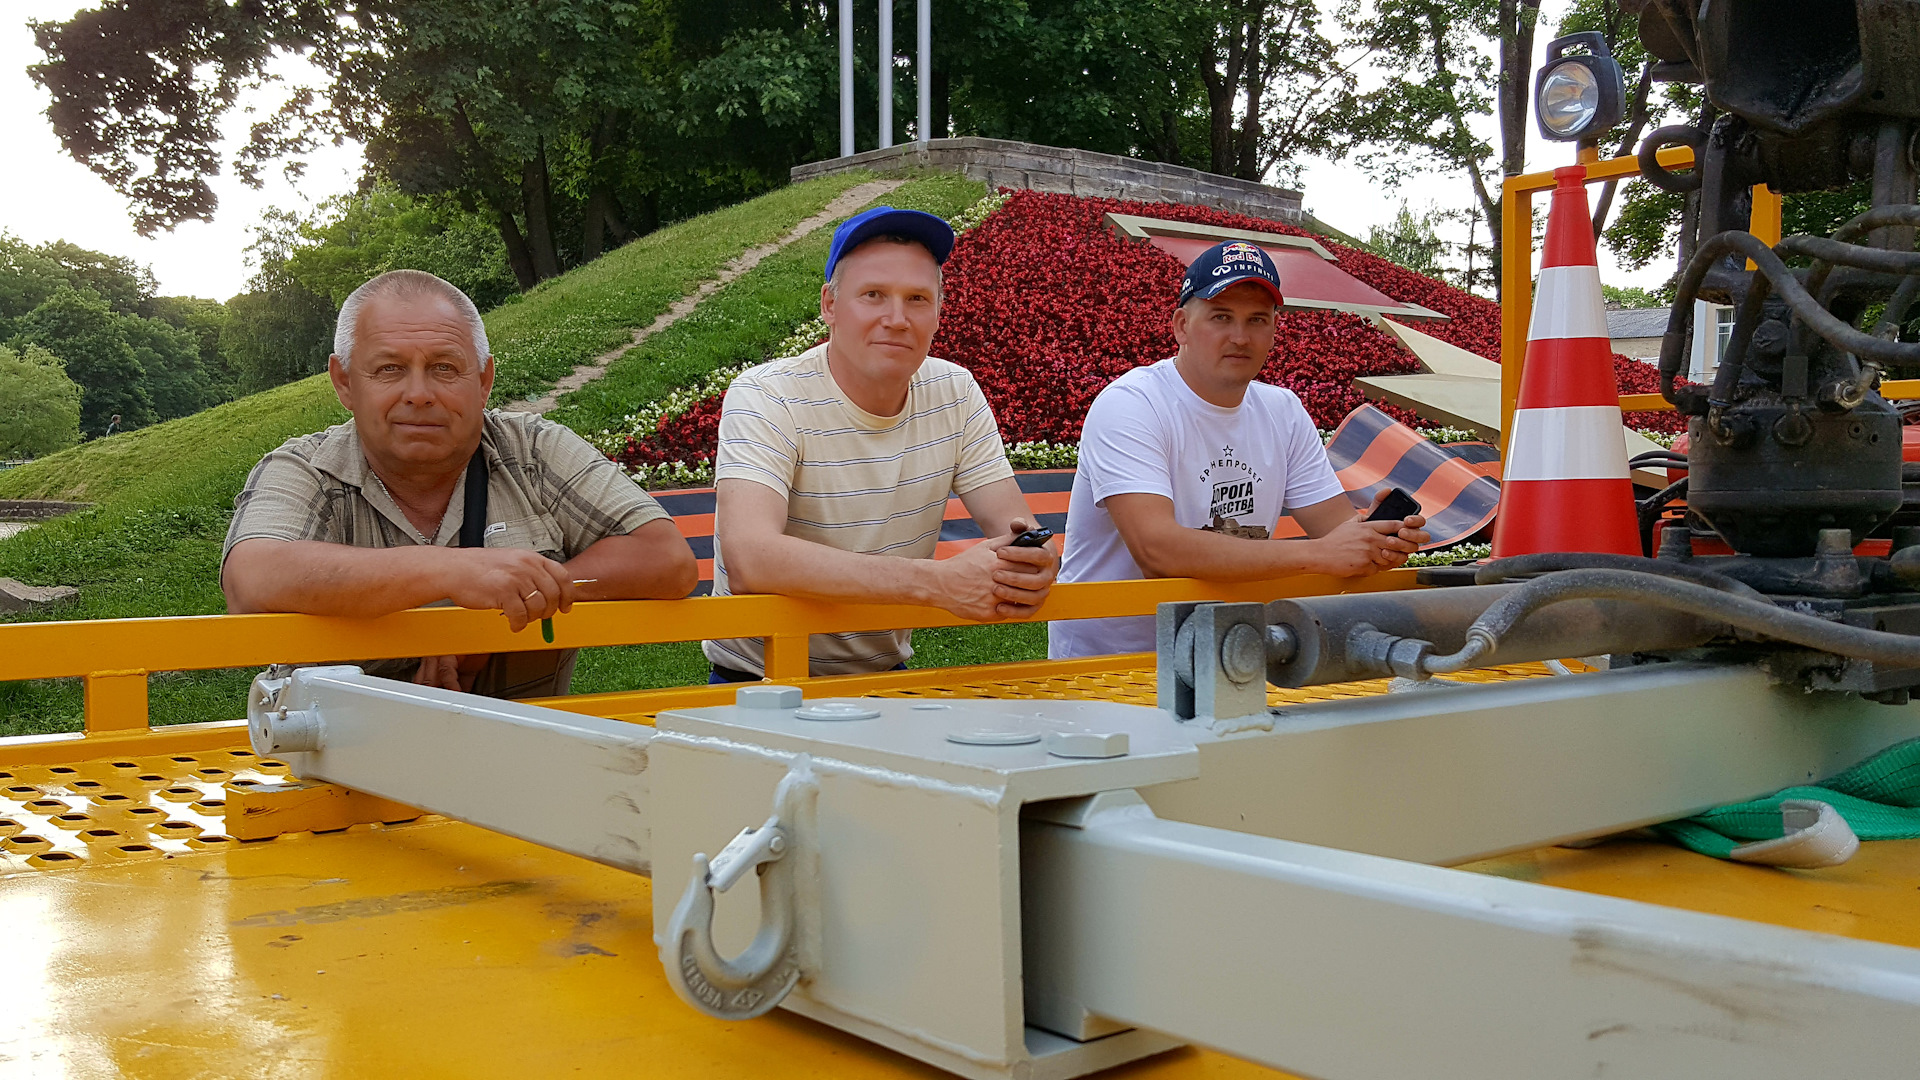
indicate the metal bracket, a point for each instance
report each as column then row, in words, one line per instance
column 752, row 983
column 1212, row 660
column 272, row 728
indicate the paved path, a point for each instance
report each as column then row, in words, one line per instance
column 848, row 201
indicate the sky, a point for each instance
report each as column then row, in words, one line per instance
column 46, row 195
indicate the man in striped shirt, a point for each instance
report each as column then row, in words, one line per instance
column 834, row 466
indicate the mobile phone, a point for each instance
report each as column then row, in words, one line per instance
column 1397, row 505
column 1033, row 537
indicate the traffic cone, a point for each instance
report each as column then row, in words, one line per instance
column 1564, row 484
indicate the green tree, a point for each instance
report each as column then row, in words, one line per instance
column 502, row 105
column 1629, row 296
column 1447, row 61
column 170, row 357
column 204, row 319
column 92, row 339
column 1410, row 241
column 39, row 405
column 351, row 238
column 277, row 335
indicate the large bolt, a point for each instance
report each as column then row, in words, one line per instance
column 1243, row 653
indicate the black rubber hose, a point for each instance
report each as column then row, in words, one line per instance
column 1858, row 226
column 1652, row 456
column 1526, row 566
column 1648, row 511
column 1841, row 253
column 1895, row 316
column 1755, row 616
column 1776, row 274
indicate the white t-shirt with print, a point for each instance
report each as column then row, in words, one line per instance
column 1149, row 433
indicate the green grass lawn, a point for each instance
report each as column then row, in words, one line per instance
column 540, row 335
column 640, row 667
column 163, row 495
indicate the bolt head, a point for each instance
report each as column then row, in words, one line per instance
column 1243, row 653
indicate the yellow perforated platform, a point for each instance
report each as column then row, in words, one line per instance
column 158, row 949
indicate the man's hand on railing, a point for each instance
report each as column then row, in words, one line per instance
column 525, row 586
column 994, row 580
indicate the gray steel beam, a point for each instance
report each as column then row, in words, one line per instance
column 1345, row 966
column 886, row 73
column 1450, row 774
column 561, row 780
column 846, row 78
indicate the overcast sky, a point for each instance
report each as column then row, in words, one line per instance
column 46, row 195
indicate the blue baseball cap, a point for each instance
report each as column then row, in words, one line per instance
column 1227, row 264
column 936, row 235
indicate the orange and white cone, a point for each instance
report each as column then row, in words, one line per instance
column 1564, row 484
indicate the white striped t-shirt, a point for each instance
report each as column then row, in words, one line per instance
column 854, row 481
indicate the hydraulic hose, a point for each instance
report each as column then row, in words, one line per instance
column 1774, row 272
column 1755, row 616
column 1527, row 566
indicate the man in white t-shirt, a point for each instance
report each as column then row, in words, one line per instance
column 833, row 467
column 1172, row 448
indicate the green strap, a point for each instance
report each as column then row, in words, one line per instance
column 1880, row 798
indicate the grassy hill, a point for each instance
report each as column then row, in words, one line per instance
column 163, row 495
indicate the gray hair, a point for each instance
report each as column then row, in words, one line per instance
column 939, row 272
column 406, row 285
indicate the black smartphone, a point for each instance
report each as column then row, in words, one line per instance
column 1398, row 504
column 1033, row 537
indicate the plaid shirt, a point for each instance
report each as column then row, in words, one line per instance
column 547, row 491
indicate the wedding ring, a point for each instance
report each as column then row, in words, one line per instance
column 531, row 595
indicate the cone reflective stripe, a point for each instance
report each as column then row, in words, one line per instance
column 1565, row 484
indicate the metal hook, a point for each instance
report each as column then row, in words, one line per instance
column 753, row 982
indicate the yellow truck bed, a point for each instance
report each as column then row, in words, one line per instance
column 141, row 941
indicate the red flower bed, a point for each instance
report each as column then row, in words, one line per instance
column 1045, row 306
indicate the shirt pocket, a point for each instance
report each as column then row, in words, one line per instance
column 537, row 533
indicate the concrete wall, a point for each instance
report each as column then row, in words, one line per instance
column 1640, row 348
column 1002, row 163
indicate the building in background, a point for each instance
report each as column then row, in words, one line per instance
column 1637, row 332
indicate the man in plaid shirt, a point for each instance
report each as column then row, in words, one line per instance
column 382, row 513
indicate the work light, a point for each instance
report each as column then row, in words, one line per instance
column 1578, row 95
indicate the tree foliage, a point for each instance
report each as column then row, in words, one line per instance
column 39, row 405
column 566, row 123
column 142, row 357
column 349, row 239
column 1411, row 241
column 1448, row 61
column 1244, row 88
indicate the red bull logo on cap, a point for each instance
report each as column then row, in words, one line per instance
column 1241, row 251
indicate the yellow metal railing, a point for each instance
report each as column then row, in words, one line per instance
column 115, row 656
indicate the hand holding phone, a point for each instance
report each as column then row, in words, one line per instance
column 1397, row 506
column 1033, row 538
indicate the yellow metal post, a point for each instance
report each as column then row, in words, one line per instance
column 116, row 701
column 786, row 657
column 1764, row 222
column 1516, row 294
